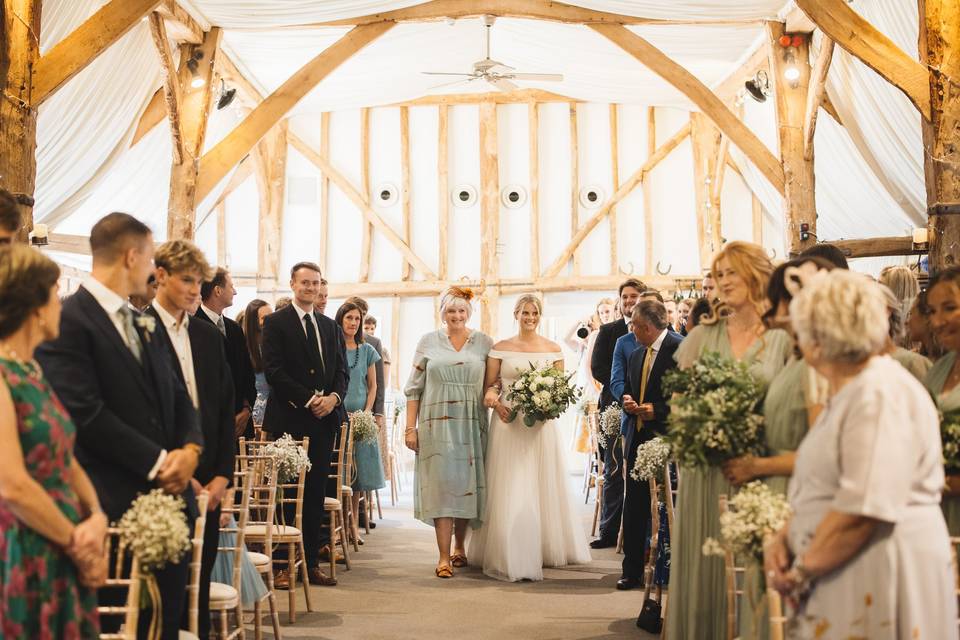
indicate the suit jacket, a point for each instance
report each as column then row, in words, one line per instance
column 381, row 389
column 654, row 391
column 214, row 395
column 125, row 412
column 241, row 368
column 602, row 361
column 293, row 379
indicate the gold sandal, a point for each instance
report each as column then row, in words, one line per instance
column 458, row 560
column 444, row 571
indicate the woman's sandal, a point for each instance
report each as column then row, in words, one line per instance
column 458, row 560
column 444, row 571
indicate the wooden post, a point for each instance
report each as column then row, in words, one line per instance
column 940, row 50
column 574, row 183
column 405, row 183
column 325, row 190
column 489, row 215
column 799, row 202
column 395, row 341
column 194, row 112
column 533, row 126
column 19, row 53
column 757, row 210
column 615, row 172
column 647, row 197
column 270, row 157
column 443, row 188
column 705, row 138
column 366, row 248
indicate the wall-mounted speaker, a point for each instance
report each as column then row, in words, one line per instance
column 591, row 196
column 513, row 196
column 463, row 196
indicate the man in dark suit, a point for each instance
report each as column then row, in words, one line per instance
column 601, row 365
column 201, row 364
column 304, row 359
column 136, row 426
column 217, row 295
column 646, row 407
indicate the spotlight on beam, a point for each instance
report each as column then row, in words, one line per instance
column 226, row 96
column 758, row 87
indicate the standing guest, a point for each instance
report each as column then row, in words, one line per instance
column 253, row 317
column 943, row 380
column 201, row 363
column 361, row 396
column 709, row 287
column 918, row 365
column 866, row 552
column 217, row 294
column 137, row 427
column 305, row 363
column 142, row 303
column 370, row 331
column 446, row 426
column 52, row 530
column 601, row 366
column 672, row 317
column 902, row 281
column 281, row 302
column 583, row 346
column 646, row 408
column 683, row 315
column 10, row 220
column 322, row 295
column 829, row 252
column 919, row 333
column 734, row 330
column 700, row 309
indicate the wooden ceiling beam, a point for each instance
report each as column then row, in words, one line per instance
column 876, row 247
column 71, row 55
column 232, row 75
column 153, row 114
column 816, row 94
column 864, row 41
column 728, row 88
column 707, row 101
column 171, row 83
column 227, row 153
column 180, row 24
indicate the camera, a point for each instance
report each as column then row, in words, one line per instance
column 583, row 331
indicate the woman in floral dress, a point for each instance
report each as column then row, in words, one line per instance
column 52, row 530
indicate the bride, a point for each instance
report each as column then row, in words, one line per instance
column 529, row 521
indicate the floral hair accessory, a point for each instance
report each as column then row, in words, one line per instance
column 462, row 292
column 796, row 278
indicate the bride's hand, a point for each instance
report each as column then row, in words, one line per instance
column 502, row 411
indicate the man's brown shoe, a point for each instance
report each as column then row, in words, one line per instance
column 325, row 555
column 281, row 580
column 318, row 577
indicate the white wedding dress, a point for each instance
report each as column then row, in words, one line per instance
column 529, row 521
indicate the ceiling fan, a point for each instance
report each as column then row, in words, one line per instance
column 496, row 73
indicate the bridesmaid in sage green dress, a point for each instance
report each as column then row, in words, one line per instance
column 697, row 607
column 447, row 427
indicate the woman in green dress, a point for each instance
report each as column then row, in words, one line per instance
column 697, row 606
column 943, row 380
column 447, row 425
column 52, row 530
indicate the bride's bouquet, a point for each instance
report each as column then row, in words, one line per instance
column 950, row 435
column 714, row 412
column 155, row 529
column 541, row 394
column 755, row 512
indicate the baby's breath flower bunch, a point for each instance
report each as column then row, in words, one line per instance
column 541, row 394
column 652, row 458
column 714, row 413
column 155, row 529
column 609, row 424
column 950, row 435
column 291, row 458
column 364, row 426
column 755, row 512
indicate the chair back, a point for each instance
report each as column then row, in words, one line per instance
column 123, row 576
column 193, row 588
column 262, row 470
column 287, row 492
column 731, row 574
column 239, row 507
column 343, row 465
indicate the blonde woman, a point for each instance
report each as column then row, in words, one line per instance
column 529, row 522
column 447, row 427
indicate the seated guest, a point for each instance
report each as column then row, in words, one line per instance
column 10, row 221
column 199, row 360
column 866, row 552
column 51, row 526
column 253, row 317
column 137, row 427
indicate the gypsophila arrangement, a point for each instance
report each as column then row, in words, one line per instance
column 755, row 512
column 155, row 529
column 609, row 424
column 291, row 458
column 652, row 458
column 364, row 426
column 541, row 394
column 714, row 412
column 950, row 436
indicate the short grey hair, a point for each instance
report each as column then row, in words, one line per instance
column 651, row 311
column 843, row 313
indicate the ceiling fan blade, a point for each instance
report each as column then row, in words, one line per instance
column 447, row 84
column 445, row 73
column 502, row 83
column 542, row 77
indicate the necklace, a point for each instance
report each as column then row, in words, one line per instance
column 356, row 358
column 31, row 366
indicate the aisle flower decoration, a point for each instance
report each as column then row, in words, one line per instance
column 753, row 513
column 714, row 412
column 291, row 458
column 609, row 424
column 652, row 458
column 950, row 436
column 155, row 529
column 541, row 394
column 364, row 426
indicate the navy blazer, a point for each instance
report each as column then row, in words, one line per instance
column 293, row 379
column 125, row 412
column 238, row 357
column 654, row 391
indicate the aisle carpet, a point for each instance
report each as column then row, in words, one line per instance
column 391, row 593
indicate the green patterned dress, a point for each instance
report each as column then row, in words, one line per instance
column 918, row 365
column 948, row 401
column 449, row 479
column 698, row 602
column 40, row 592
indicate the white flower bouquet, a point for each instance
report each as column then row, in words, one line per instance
column 714, row 412
column 364, row 426
column 950, row 436
column 755, row 512
column 291, row 458
column 541, row 394
column 155, row 529
column 652, row 458
column 609, row 424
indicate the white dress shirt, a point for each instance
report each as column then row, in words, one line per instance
column 180, row 337
column 656, row 346
column 213, row 315
column 112, row 303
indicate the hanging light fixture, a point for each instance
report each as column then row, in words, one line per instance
column 791, row 72
column 226, row 95
column 194, row 65
column 758, row 87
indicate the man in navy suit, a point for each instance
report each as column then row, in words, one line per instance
column 137, row 428
column 646, row 408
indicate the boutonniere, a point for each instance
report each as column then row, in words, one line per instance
column 148, row 324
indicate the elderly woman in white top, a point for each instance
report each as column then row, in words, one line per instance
column 866, row 553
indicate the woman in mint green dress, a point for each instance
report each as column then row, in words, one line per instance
column 446, row 426
column 943, row 380
column 697, row 606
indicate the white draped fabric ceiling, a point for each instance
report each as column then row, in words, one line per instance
column 869, row 173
